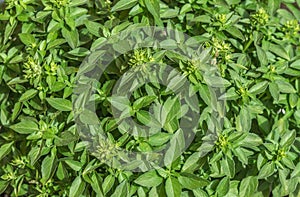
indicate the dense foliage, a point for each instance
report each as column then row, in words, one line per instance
column 255, row 46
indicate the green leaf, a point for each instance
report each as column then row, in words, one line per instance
column 89, row 117
column 202, row 19
column 108, row 183
column 258, row 88
column 159, row 139
column 273, row 88
column 144, row 147
column 47, row 166
column 121, row 190
column 27, row 38
column 262, row 56
column 16, row 111
column 266, row 171
column 2, row 69
column 170, row 110
column 196, row 40
column 143, row 102
column 288, row 163
column 296, row 171
column 288, row 139
column 279, row 50
column 25, row 127
column 144, row 117
column 295, row 10
column 173, row 187
column 216, row 82
column 285, row 87
column 235, row 32
column 61, row 172
column 149, row 179
column 228, row 167
column 223, row 186
column 248, row 186
column 123, row 5
column 191, row 181
column 55, row 43
column 293, row 100
column 251, row 141
column 96, row 184
column 75, row 165
column 79, row 52
column 60, row 104
column 185, row 8
column 243, row 121
column 230, row 94
column 200, row 193
column 3, row 186
column 72, row 37
column 58, row 86
column 74, row 3
column 77, row 187
column 205, row 94
column 154, row 8
column 9, row 29
column 191, row 163
column 176, row 146
column 29, row 94
column 296, row 65
column 5, row 149
column 169, row 13
column 168, row 44
column 121, row 103
column 273, row 6
column 94, row 28
column 242, row 154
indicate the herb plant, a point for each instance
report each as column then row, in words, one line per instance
column 244, row 129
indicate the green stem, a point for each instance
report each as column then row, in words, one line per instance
column 248, row 44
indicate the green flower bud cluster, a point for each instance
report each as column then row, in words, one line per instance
column 222, row 49
column 60, row 3
column 291, row 28
column 51, row 69
column 9, row 173
column 20, row 162
column 222, row 141
column 261, row 17
column 105, row 151
column 32, row 69
column 280, row 154
column 140, row 58
column 12, row 3
column 221, row 18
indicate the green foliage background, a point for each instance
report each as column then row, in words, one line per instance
column 257, row 49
